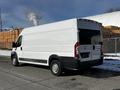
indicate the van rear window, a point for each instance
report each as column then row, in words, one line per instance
column 89, row 36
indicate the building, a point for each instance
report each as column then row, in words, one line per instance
column 107, row 19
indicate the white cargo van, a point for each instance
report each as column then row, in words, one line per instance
column 69, row 44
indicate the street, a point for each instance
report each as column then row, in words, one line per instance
column 33, row 77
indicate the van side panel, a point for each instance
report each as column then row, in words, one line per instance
column 43, row 41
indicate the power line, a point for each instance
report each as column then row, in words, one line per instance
column 0, row 20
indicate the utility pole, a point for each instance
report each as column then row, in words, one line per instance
column 0, row 20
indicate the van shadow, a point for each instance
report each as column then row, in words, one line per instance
column 36, row 66
column 88, row 72
column 93, row 72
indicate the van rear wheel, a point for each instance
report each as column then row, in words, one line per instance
column 15, row 61
column 56, row 68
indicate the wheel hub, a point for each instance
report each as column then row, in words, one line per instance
column 55, row 68
column 14, row 61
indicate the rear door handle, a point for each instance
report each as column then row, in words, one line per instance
column 21, row 48
column 93, row 47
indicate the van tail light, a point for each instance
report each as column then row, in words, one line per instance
column 76, row 50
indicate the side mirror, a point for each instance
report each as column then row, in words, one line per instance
column 13, row 44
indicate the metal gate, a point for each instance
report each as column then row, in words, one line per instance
column 111, row 45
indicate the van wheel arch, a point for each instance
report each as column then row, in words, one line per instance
column 53, row 57
column 55, row 64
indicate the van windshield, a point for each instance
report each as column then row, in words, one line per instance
column 89, row 36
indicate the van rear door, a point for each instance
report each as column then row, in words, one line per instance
column 90, row 46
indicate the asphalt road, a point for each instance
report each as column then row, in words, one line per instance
column 32, row 77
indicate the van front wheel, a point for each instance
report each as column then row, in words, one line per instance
column 56, row 68
column 15, row 61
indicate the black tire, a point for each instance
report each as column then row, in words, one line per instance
column 56, row 67
column 15, row 61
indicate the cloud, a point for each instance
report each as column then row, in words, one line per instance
column 13, row 11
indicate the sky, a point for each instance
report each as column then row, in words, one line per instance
column 15, row 12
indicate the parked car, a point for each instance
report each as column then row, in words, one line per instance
column 69, row 44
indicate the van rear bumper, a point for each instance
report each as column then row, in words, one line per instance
column 75, row 64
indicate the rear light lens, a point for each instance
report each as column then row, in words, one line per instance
column 76, row 50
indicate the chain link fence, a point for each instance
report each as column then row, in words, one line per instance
column 111, row 45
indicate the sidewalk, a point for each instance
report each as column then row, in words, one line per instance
column 5, row 52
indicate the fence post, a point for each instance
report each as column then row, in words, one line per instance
column 115, row 45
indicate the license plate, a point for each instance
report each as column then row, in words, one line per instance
column 84, row 55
